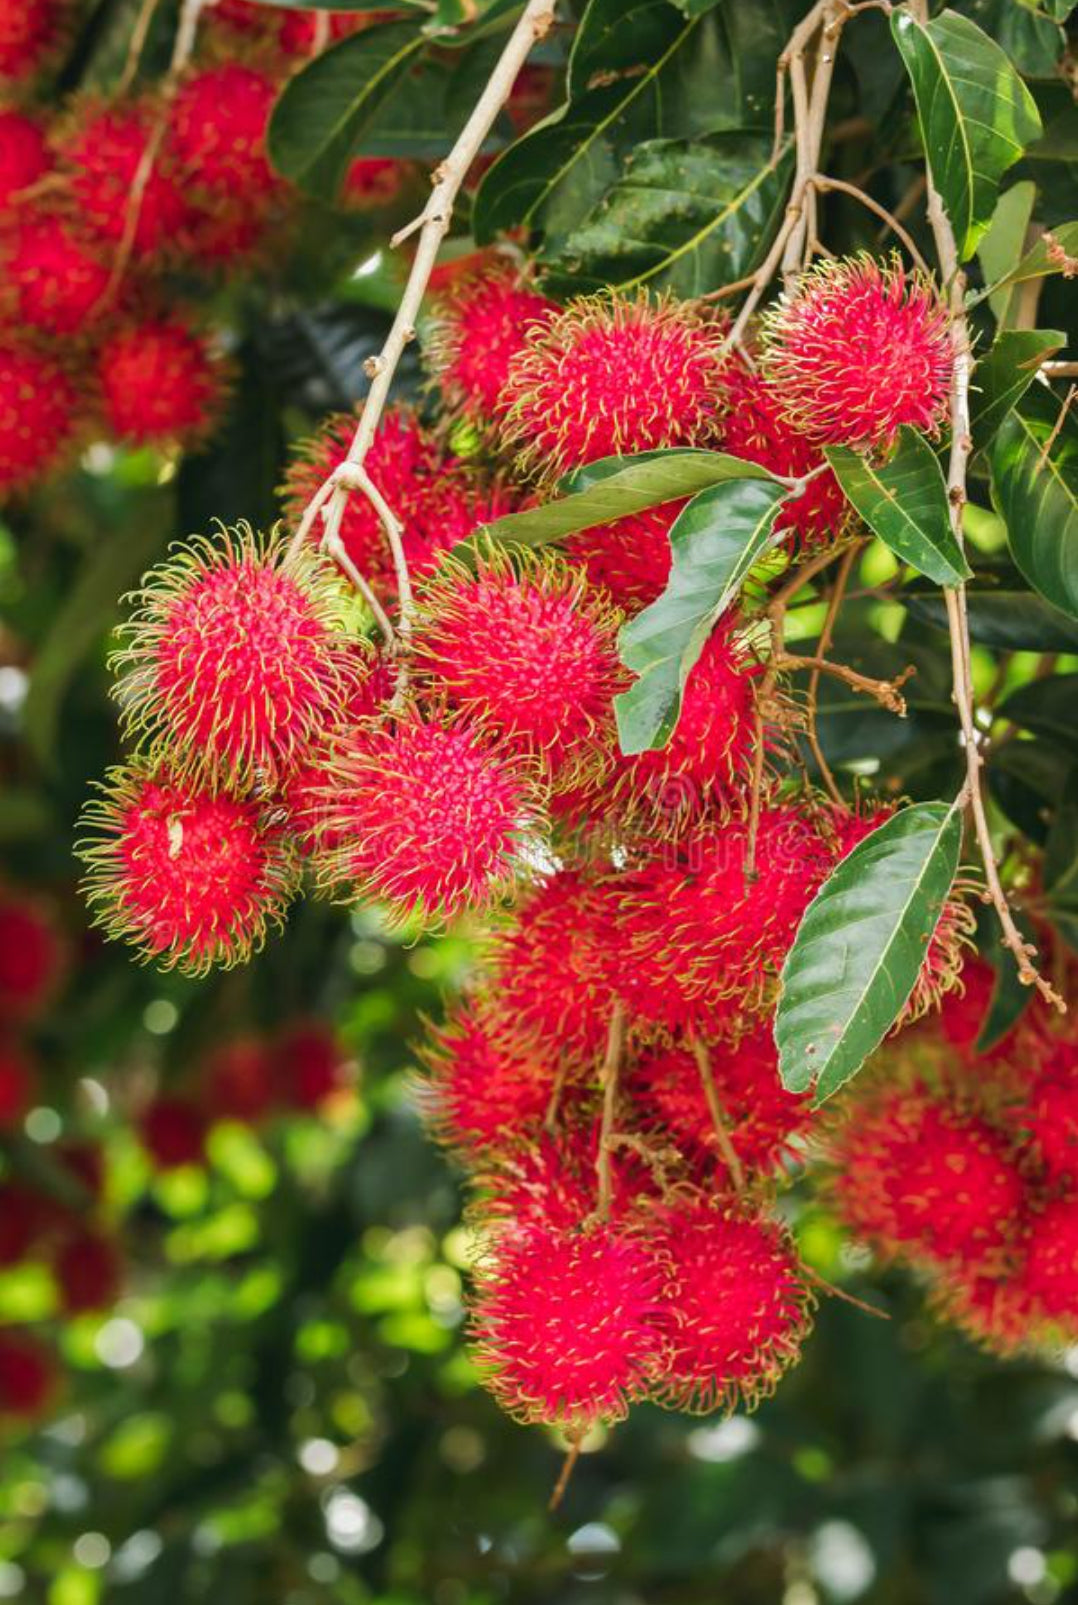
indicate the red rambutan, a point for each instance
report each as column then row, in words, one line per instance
column 307, row 788
column 530, row 654
column 629, row 558
column 217, row 134
column 30, row 958
column 173, row 1132
column 190, row 878
column 54, row 281
column 24, row 154
column 30, row 30
column 481, row 323
column 1050, row 1276
column 234, row 660
column 737, row 1309
column 88, row 1271
column 18, row 1084
column 423, row 815
column 566, row 1324
column 105, row 153
column 160, row 383
column 27, row 1375
column 1048, row 1112
column 609, row 376
column 307, row 1065
column 857, row 349
column 37, row 416
column 483, row 1094
column 923, row 1178
column 238, row 1081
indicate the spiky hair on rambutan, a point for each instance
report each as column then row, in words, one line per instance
column 630, row 558
column 38, row 417
column 438, row 498
column 53, row 280
column 858, row 348
column 189, row 877
column 529, row 651
column 479, row 325
column 1049, row 1276
column 755, row 429
column 922, row 1175
column 161, row 382
column 425, row 815
column 307, row 787
column 737, row 1306
column 481, row 1094
column 31, row 34
column 102, row 151
column 566, row 1326
column 24, row 154
column 217, row 134
column 611, row 375
column 235, row 658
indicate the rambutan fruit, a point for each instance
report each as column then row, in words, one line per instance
column 173, row 1130
column 529, row 653
column 755, row 429
column 30, row 31
column 480, row 324
column 423, row 815
column 736, row 1308
column 308, row 1065
column 921, row 1177
column 104, row 153
column 293, row 32
column 1048, row 1114
column 18, row 1084
column 27, row 1375
column 88, row 1271
column 306, row 789
column 235, row 658
column 238, row 1081
column 191, row 878
column 611, row 375
column 1050, row 1276
column 161, row 383
column 31, row 957
column 964, row 1010
column 24, row 155
column 37, row 416
column 217, row 134
column 438, row 498
column 53, row 280
column 629, row 558
column 552, row 1181
column 759, row 1120
column 566, row 1324
column 858, row 348
column 483, row 1094
column 557, row 967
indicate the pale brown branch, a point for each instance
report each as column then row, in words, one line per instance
column 576, row 1438
column 136, row 45
column 718, row 1122
column 820, row 182
column 887, row 693
column 604, row 1169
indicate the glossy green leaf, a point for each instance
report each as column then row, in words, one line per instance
column 1058, row 10
column 1035, row 491
column 1004, row 374
column 1040, row 261
column 1004, row 243
column 714, row 544
column 614, row 488
column 1010, row 998
column 685, row 215
column 324, row 110
column 976, row 115
column 860, row 947
column 1004, row 614
column 1046, row 707
column 904, row 502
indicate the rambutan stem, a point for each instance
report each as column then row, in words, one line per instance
column 615, row 1043
column 886, row 692
column 958, row 624
column 534, row 23
column 718, row 1121
column 824, row 185
column 576, row 1440
column 825, row 1286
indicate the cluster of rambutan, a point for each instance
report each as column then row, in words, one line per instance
column 963, row 1164
column 612, row 1084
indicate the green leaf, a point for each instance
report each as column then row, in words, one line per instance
column 1003, row 613
column 613, row 488
column 1058, row 10
column 1038, row 262
column 324, row 110
column 1047, row 707
column 685, row 215
column 714, row 543
column 1004, row 243
column 860, row 947
column 1004, row 374
column 905, row 502
column 1010, row 998
column 1035, row 491
column 1061, row 849
column 976, row 115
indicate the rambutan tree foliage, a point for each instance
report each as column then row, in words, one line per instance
column 596, row 490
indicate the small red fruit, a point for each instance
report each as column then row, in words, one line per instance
column 307, row 1065
column 37, row 416
column 27, row 1375
column 173, row 1132
column 481, row 323
column 24, row 155
column 238, row 1079
column 88, row 1271
column 217, row 134
column 55, row 281
column 105, row 153
column 484, row 1095
column 30, row 30
column 629, row 558
column 160, row 383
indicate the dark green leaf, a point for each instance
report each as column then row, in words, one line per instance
column 905, row 503
column 324, row 110
column 614, row 488
column 1004, row 244
column 1010, row 998
column 1026, row 779
column 1040, row 261
column 685, row 215
column 1047, row 707
column 714, row 543
column 861, row 945
column 1058, row 10
column 1004, row 374
column 1061, row 849
column 1035, row 491
column 1003, row 613
column 976, row 115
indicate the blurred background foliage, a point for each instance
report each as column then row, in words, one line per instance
column 278, row 1407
